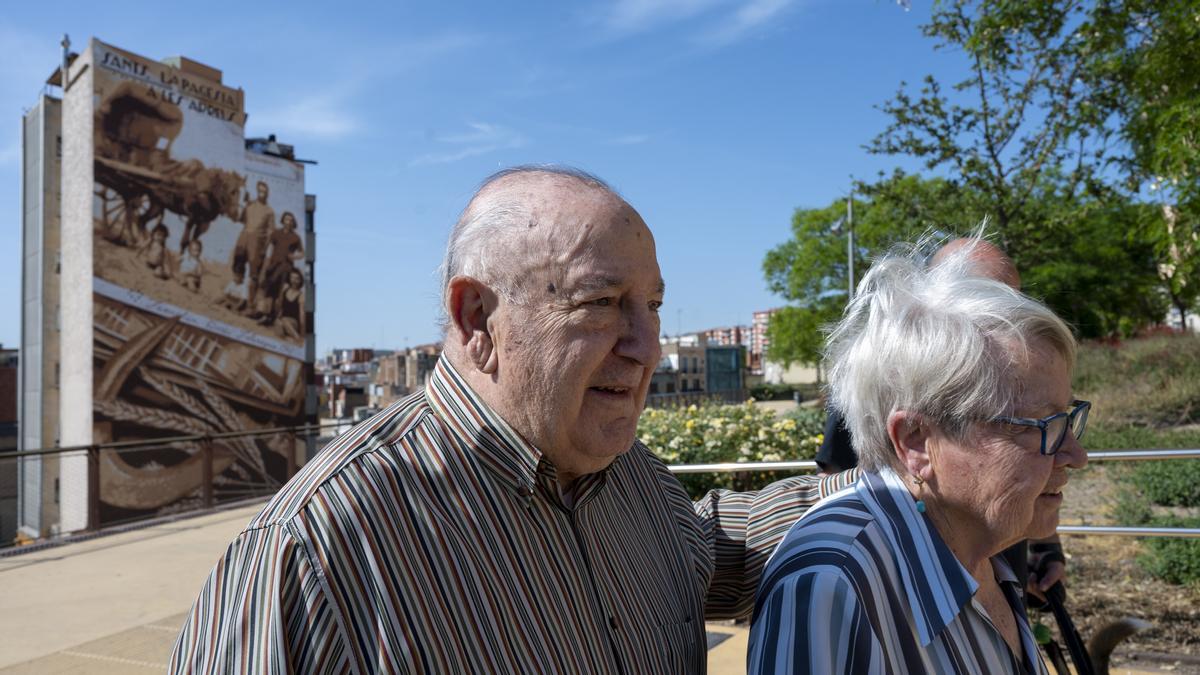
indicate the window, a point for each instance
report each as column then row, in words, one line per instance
column 670, row 387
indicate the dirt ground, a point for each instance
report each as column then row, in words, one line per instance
column 1106, row 584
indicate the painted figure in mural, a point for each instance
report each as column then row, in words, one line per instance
column 199, row 195
column 258, row 220
column 284, row 250
column 191, row 266
column 233, row 297
column 288, row 310
column 155, row 252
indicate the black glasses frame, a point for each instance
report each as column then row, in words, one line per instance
column 1078, row 409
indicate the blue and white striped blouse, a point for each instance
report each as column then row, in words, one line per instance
column 864, row 584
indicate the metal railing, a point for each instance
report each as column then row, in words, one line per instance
column 805, row 465
column 1100, row 456
column 208, row 497
column 211, row 480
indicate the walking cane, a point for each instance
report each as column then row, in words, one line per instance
column 1079, row 655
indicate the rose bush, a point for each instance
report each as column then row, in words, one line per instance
column 730, row 433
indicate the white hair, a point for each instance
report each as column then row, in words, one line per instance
column 479, row 245
column 939, row 341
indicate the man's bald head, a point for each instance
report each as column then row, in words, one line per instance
column 983, row 258
column 491, row 239
column 552, row 297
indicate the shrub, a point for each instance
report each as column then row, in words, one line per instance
column 729, row 433
column 784, row 392
column 1148, row 488
column 1175, row 561
column 1169, row 483
column 1165, row 483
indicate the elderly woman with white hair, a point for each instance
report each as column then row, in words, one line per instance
column 957, row 392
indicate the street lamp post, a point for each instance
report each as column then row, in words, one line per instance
column 850, row 242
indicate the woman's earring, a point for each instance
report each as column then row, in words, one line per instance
column 920, row 502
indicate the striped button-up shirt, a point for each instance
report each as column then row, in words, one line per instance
column 864, row 584
column 431, row 538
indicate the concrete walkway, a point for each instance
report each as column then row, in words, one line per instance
column 114, row 604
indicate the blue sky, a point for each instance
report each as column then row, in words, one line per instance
column 715, row 119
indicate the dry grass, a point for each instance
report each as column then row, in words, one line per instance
column 1150, row 382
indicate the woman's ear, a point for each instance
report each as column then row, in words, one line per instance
column 471, row 304
column 910, row 434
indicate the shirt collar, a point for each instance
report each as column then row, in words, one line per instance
column 937, row 585
column 504, row 452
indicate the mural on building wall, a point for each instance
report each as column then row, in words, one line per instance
column 198, row 288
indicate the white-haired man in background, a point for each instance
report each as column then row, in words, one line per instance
column 505, row 519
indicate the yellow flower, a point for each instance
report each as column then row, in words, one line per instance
column 689, row 424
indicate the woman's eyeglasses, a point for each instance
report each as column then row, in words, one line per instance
column 1054, row 428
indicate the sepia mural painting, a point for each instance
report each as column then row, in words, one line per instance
column 198, row 290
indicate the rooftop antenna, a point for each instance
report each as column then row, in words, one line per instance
column 66, row 45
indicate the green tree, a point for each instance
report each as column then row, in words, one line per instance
column 1025, row 110
column 1145, row 55
column 1094, row 263
column 1089, row 260
column 811, row 269
column 1028, row 135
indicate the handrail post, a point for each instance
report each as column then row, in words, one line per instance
column 206, row 449
column 93, row 487
column 291, row 454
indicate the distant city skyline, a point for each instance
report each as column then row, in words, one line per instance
column 714, row 118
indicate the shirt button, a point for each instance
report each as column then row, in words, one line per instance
column 524, row 492
column 613, row 623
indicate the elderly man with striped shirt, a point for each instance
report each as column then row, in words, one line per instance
column 504, row 519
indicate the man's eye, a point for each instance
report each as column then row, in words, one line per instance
column 601, row 302
column 655, row 305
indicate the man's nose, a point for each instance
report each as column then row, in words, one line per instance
column 639, row 338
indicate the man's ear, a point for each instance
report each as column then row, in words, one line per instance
column 471, row 305
column 910, row 435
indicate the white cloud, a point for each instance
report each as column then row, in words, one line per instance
column 630, row 139
column 330, row 115
column 718, row 22
column 633, row 16
column 747, row 17
column 323, row 117
column 480, row 138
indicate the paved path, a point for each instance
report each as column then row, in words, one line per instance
column 114, row 604
column 109, row 604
